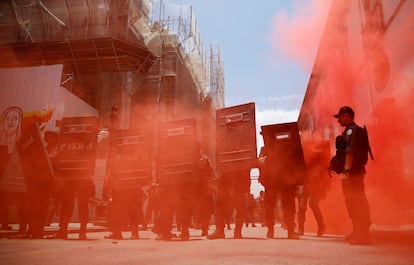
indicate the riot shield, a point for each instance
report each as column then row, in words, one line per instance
column 34, row 159
column 130, row 162
column 236, row 138
column 177, row 152
column 285, row 161
column 77, row 147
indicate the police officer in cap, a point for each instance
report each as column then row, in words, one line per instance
column 353, row 177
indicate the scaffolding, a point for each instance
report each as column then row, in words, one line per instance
column 76, row 33
column 181, row 26
column 216, row 76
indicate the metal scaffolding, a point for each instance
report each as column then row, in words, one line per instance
column 216, row 76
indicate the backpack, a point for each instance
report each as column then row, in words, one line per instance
column 338, row 161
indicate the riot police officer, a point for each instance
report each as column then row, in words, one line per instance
column 355, row 152
column 232, row 189
column 275, row 188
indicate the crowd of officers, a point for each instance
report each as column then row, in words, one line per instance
column 223, row 198
column 222, row 195
column 37, row 200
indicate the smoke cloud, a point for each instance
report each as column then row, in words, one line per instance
column 369, row 69
column 296, row 34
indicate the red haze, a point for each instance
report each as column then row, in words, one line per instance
column 368, row 67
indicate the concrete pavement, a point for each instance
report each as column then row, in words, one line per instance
column 388, row 248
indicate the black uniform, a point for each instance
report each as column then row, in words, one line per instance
column 353, row 187
column 82, row 189
column 175, row 199
column 124, row 188
column 204, row 196
column 274, row 187
column 316, row 185
column 13, row 190
column 233, row 188
column 126, row 204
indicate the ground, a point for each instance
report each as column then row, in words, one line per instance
column 388, row 248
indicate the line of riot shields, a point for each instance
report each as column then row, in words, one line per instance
column 165, row 160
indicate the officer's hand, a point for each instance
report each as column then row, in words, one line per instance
column 345, row 175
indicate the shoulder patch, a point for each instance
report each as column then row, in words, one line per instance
column 349, row 132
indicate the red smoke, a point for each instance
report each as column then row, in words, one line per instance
column 373, row 75
column 297, row 35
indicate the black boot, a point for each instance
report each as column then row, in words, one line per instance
column 361, row 236
column 321, row 229
column 218, row 234
column 82, row 232
column 291, row 232
column 270, row 231
column 237, row 233
column 292, row 235
column 301, row 229
column 185, row 234
column 61, row 234
column 204, row 231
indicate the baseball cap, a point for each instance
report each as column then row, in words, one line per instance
column 343, row 110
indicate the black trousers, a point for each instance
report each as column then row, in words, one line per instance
column 17, row 199
column 287, row 196
column 37, row 207
column 313, row 201
column 204, row 209
column 232, row 191
column 82, row 190
column 126, row 207
column 176, row 199
column 357, row 203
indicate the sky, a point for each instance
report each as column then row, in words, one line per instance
column 268, row 48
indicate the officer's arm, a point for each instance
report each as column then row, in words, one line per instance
column 349, row 157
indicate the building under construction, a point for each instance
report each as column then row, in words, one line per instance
column 131, row 63
column 116, row 53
